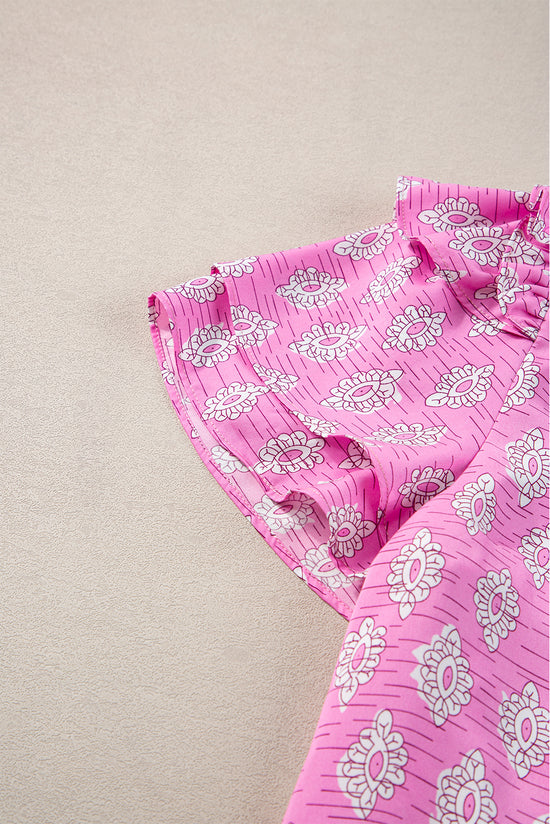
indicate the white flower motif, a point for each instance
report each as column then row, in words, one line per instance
column 464, row 795
column 424, row 484
column 358, row 457
column 359, row 657
column 497, row 607
column 443, row 676
column 347, row 530
column 327, row 341
column 249, row 328
column 365, row 391
column 226, row 461
column 480, row 244
column 368, row 243
column 373, row 765
column 521, row 197
column 524, row 385
column 404, row 184
column 543, row 308
column 208, row 346
column 415, row 329
column 237, row 268
column 530, row 466
column 523, row 726
column 167, row 373
column 152, row 314
column 292, row 513
column 507, row 286
column 415, row 571
column 309, row 287
column 486, row 292
column 231, row 401
column 519, row 248
column 389, row 279
column 462, row 386
column 530, row 331
column 275, row 381
column 537, row 228
column 202, row 289
column 484, row 326
column 450, row 275
column 476, row 504
column 317, row 426
column 453, row 213
column 290, row 452
column 322, row 566
column 535, row 549
column 413, row 434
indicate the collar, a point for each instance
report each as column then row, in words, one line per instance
column 491, row 245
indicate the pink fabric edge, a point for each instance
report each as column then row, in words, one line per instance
column 175, row 396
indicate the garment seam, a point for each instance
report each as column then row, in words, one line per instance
column 478, row 308
column 498, row 414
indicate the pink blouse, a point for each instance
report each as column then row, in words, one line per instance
column 377, row 406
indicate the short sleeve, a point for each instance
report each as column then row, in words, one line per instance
column 333, row 389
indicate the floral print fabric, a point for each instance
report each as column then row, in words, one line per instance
column 377, row 407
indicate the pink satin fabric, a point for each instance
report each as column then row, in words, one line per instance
column 377, row 406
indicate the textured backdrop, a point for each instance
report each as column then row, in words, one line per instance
column 160, row 664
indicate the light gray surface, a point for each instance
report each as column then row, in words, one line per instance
column 162, row 665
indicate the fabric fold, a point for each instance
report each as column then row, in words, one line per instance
column 376, row 405
column 489, row 244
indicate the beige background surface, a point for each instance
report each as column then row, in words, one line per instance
column 160, row 664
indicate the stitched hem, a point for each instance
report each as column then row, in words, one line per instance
column 196, row 428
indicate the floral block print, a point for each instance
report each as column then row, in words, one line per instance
column 524, row 729
column 443, row 676
column 358, row 659
column 373, row 765
column 377, row 406
column 465, row 794
column 476, row 504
